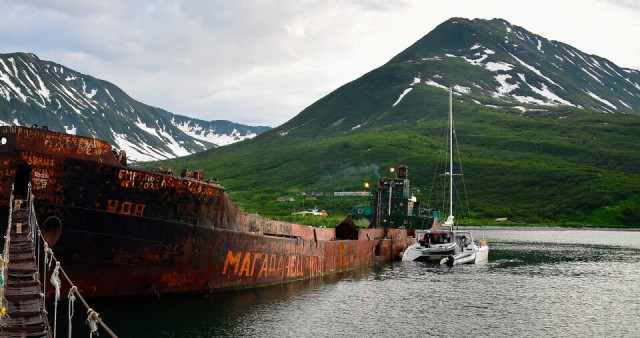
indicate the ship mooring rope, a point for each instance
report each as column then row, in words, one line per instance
column 38, row 251
column 55, row 281
column 93, row 318
column 92, row 322
column 91, row 313
column 44, row 269
column 72, row 298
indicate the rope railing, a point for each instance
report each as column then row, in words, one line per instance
column 7, row 236
column 93, row 318
column 4, row 259
column 92, row 315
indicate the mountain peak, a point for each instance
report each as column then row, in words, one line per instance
column 33, row 91
column 490, row 63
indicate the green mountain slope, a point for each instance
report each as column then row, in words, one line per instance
column 535, row 146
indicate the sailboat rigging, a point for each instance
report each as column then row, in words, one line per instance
column 442, row 243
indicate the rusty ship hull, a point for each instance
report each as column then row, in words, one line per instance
column 124, row 231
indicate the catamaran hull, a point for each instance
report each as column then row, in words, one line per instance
column 479, row 255
column 421, row 254
column 462, row 258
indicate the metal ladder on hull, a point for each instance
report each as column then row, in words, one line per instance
column 26, row 315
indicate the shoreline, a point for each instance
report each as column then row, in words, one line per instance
column 537, row 228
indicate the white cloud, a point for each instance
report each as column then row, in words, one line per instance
column 262, row 62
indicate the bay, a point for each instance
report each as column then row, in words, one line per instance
column 538, row 282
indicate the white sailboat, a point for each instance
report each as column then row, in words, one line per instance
column 442, row 243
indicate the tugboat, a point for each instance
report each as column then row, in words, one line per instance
column 442, row 243
column 394, row 205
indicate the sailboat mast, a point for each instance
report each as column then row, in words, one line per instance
column 450, row 152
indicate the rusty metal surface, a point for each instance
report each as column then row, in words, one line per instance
column 123, row 231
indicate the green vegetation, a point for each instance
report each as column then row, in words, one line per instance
column 548, row 165
column 550, row 168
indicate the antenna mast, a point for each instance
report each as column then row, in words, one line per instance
column 450, row 154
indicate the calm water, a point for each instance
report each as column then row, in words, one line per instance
column 537, row 283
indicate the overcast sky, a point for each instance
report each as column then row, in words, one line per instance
column 261, row 62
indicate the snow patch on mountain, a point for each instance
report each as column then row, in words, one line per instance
column 528, row 99
column 15, row 69
column 592, row 75
column 534, row 69
column 5, row 66
column 42, row 90
column 601, row 99
column 498, row 66
column 623, row 103
column 546, row 92
column 505, row 87
column 172, row 143
column 435, row 84
column 199, row 132
column 139, row 152
column 462, row 89
column 475, row 62
column 540, row 45
column 4, row 77
column 143, row 126
column 107, row 91
column 89, row 94
column 405, row 92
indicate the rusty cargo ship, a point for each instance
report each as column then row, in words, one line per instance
column 123, row 231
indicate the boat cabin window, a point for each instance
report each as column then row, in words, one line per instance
column 438, row 238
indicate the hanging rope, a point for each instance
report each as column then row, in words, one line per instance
column 93, row 318
column 44, row 270
column 38, row 251
column 72, row 298
column 55, row 281
column 92, row 322
column 3, row 310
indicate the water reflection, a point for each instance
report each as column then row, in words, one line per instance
column 545, row 282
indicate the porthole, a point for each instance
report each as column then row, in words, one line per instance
column 51, row 230
column 3, row 140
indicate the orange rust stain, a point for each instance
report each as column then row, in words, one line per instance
column 176, row 279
